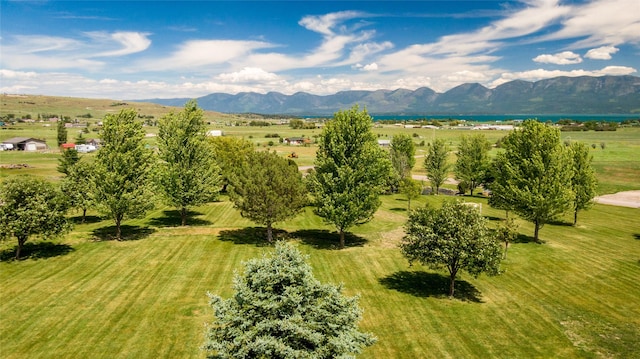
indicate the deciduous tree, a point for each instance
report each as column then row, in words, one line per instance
column 279, row 310
column 79, row 186
column 188, row 174
column 583, row 180
column 436, row 164
column 507, row 232
column 411, row 190
column 454, row 237
column 402, row 152
column 228, row 152
column 267, row 189
column 123, row 169
column 535, row 174
column 31, row 206
column 351, row 171
column 473, row 160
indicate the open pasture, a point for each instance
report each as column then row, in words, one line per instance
column 576, row 296
column 617, row 165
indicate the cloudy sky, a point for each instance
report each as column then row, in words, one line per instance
column 166, row 49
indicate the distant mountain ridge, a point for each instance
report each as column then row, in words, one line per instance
column 575, row 95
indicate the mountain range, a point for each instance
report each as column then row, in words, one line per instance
column 558, row 95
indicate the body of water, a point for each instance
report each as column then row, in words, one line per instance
column 507, row 117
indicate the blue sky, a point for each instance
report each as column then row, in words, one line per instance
column 166, row 49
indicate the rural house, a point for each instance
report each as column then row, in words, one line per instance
column 24, row 144
column 297, row 141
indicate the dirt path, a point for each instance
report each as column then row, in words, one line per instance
column 623, row 199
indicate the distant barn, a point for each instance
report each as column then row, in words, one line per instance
column 24, row 144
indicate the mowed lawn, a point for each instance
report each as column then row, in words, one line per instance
column 86, row 296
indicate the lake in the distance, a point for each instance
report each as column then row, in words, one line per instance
column 508, row 117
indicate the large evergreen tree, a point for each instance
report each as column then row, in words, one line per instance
column 123, row 169
column 188, row 174
column 583, row 180
column 436, row 164
column 267, row 188
column 279, row 310
column 535, row 174
column 69, row 157
column 31, row 206
column 351, row 171
column 61, row 132
column 473, row 160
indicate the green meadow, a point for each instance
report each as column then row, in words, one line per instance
column 86, row 296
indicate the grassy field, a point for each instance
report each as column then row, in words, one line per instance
column 617, row 165
column 84, row 295
column 576, row 296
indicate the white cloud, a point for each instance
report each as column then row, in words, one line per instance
column 601, row 53
column 248, row 75
column 561, row 58
column 324, row 24
column 201, row 53
column 600, row 22
column 13, row 75
column 51, row 52
column 539, row 74
column 128, row 42
column 370, row 67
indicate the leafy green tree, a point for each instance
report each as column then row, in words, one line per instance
column 78, row 185
column 497, row 171
column 61, row 132
column 535, row 174
column 267, row 188
column 122, row 173
column 351, row 171
column 31, row 206
column 280, row 310
column 454, row 237
column 69, row 157
column 296, row 124
column 80, row 140
column 507, row 232
column 436, row 164
column 411, row 189
column 583, row 180
column 473, row 160
column 188, row 174
column 228, row 152
column 402, row 152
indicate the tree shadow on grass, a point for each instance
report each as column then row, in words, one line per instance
column 561, row 223
column 424, row 285
column 523, row 238
column 38, row 250
column 128, row 233
column 325, row 239
column 171, row 218
column 87, row 219
column 252, row 235
column 398, row 209
column 493, row 218
column 636, row 236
